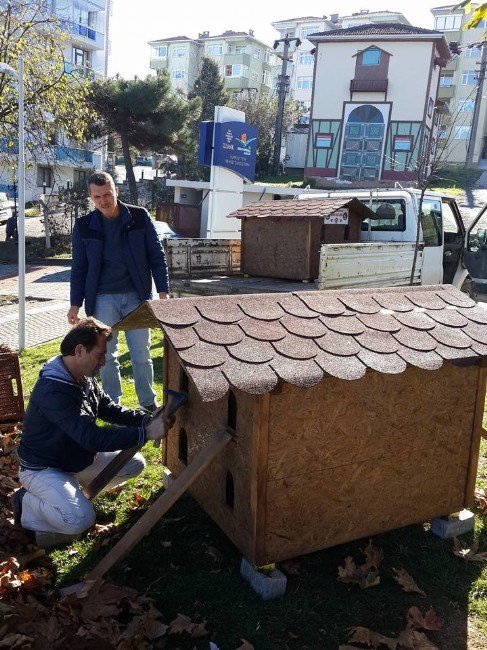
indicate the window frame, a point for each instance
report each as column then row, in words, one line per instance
column 305, row 55
column 300, row 86
column 212, row 46
column 371, row 51
column 179, row 51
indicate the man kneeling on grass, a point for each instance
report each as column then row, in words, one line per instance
column 62, row 448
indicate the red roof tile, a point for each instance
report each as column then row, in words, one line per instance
column 252, row 342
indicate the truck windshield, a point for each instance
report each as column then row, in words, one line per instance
column 391, row 215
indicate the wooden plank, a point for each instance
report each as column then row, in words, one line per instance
column 144, row 525
column 165, row 380
column 476, row 435
column 258, row 488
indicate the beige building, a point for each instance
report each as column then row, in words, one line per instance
column 373, row 112
column 458, row 87
column 245, row 63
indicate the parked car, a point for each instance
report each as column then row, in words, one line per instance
column 6, row 206
column 164, row 231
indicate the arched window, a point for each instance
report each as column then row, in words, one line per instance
column 183, row 381
column 183, row 447
column 229, row 490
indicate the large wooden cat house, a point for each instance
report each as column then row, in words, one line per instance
column 355, row 412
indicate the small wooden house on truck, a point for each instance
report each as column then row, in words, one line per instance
column 354, row 411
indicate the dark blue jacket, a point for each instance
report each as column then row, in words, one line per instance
column 143, row 251
column 60, row 427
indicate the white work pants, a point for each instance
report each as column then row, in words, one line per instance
column 54, row 501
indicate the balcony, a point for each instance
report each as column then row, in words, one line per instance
column 83, row 34
column 368, row 85
column 73, row 157
column 446, row 92
column 230, row 59
column 84, row 71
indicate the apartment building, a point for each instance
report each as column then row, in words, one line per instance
column 86, row 25
column 246, row 64
column 373, row 110
column 458, row 86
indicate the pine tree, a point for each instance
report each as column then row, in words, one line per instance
column 145, row 114
column 210, row 87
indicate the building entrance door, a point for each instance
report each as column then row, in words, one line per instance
column 362, row 145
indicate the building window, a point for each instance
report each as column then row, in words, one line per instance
column 474, row 52
column 178, row 74
column 371, row 57
column 306, row 31
column 239, row 49
column 266, row 77
column 161, row 51
column 431, row 106
column 482, row 24
column 446, row 80
column 255, row 77
column 305, row 58
column 81, row 57
column 469, row 78
column 449, row 22
column 324, row 140
column 461, row 133
column 256, row 53
column 236, row 70
column 44, row 176
column 466, row 105
column 403, row 142
column 442, row 130
column 305, row 83
column 269, row 57
column 215, row 49
column 80, row 176
column 179, row 51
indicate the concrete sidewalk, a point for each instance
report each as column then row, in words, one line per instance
column 47, row 303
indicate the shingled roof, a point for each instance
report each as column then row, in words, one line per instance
column 381, row 29
column 251, row 342
column 297, row 210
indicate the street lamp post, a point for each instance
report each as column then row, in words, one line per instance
column 19, row 75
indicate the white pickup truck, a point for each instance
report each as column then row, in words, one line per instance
column 384, row 257
column 446, row 254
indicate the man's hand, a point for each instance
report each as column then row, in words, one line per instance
column 73, row 315
column 159, row 425
column 163, row 295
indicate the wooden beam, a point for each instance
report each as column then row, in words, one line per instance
column 144, row 525
column 477, row 433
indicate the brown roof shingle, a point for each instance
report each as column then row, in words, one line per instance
column 252, row 342
column 296, row 210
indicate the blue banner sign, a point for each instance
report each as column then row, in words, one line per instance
column 235, row 146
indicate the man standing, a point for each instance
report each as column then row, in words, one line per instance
column 62, row 447
column 116, row 254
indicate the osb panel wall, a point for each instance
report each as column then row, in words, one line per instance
column 200, row 421
column 348, row 459
column 276, row 249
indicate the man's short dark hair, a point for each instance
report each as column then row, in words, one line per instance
column 100, row 179
column 86, row 333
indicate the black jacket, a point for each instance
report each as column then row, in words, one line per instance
column 60, row 427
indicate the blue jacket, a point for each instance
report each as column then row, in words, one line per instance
column 143, row 251
column 60, row 427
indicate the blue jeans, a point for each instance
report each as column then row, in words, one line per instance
column 109, row 309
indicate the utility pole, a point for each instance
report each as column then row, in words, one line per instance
column 477, row 105
column 282, row 90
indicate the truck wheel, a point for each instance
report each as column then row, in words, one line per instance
column 467, row 287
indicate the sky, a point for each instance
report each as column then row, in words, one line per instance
column 133, row 24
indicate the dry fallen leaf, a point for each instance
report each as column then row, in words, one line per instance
column 403, row 578
column 373, row 555
column 183, row 623
column 350, row 573
column 481, row 498
column 429, row 621
column 370, row 638
column 245, row 645
column 137, row 501
column 414, row 640
column 468, row 554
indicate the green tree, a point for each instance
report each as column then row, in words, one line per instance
column 478, row 12
column 210, row 88
column 261, row 110
column 54, row 96
column 145, row 114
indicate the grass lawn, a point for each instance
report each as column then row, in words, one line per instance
column 188, row 566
